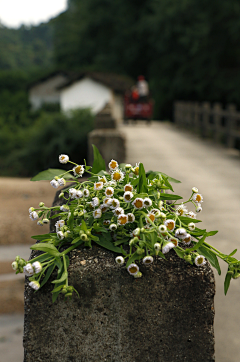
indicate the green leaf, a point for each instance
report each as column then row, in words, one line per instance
column 119, row 242
column 47, row 248
column 62, row 279
column 198, row 232
column 76, row 240
column 180, row 253
column 122, row 166
column 41, row 258
column 142, row 184
column 70, row 221
column 107, row 244
column 198, row 244
column 187, row 220
column 43, row 237
column 84, row 226
column 211, row 257
column 170, row 197
column 98, row 162
column 153, row 174
column 48, row 274
column 211, row 233
column 50, row 174
column 231, row 254
column 167, row 183
column 227, row 282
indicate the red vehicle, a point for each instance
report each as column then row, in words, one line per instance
column 137, row 110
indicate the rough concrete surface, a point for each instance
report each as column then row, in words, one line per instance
column 166, row 316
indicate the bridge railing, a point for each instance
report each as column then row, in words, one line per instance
column 209, row 120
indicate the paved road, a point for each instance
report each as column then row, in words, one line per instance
column 216, row 172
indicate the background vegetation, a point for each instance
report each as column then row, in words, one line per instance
column 187, row 49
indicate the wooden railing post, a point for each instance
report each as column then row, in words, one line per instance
column 217, row 127
column 205, row 121
column 231, row 125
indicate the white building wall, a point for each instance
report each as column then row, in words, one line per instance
column 85, row 93
column 46, row 92
column 117, row 107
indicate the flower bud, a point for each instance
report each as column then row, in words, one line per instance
column 64, row 208
column 81, row 213
column 138, row 275
column 162, row 215
column 191, row 226
column 64, row 290
column 41, row 204
column 162, row 228
column 119, row 260
column 195, row 190
column 142, row 230
column 21, row 262
column 15, row 265
column 136, row 232
column 37, row 266
column 188, row 258
column 140, row 251
column 20, row 269
column 157, row 246
column 84, row 237
column 61, row 195
column 40, row 223
column 128, row 167
column 17, row 258
column 31, row 209
column 67, row 295
column 236, row 276
column 35, row 285
column 46, row 221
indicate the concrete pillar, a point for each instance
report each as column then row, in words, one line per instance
column 165, row 316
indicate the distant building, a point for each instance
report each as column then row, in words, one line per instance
column 83, row 90
column 46, row 91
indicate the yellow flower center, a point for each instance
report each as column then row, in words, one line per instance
column 106, row 222
column 109, row 192
column 128, row 188
column 151, row 217
column 62, row 158
column 123, row 220
column 133, row 269
column 113, row 164
column 116, row 176
column 78, row 169
column 114, row 204
column 98, row 184
column 104, row 209
column 130, row 218
column 148, row 261
column 200, row 260
column 136, row 171
column 170, row 225
column 138, row 204
column 127, row 197
column 186, row 240
column 198, row 198
column 102, row 180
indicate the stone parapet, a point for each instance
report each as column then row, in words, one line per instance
column 165, row 316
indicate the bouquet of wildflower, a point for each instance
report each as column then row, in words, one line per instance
column 126, row 210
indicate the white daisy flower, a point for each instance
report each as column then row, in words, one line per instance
column 161, row 205
column 102, row 179
column 167, row 247
column 98, row 185
column 113, row 227
column 113, row 165
column 112, row 183
column 170, row 224
column 135, row 169
column 115, row 203
column 118, row 211
column 34, row 284
column 198, row 209
column 97, row 213
column 122, row 219
column 180, row 233
column 128, row 187
column 128, row 195
column 107, row 201
column 40, row 223
column 147, row 202
column 86, row 193
column 191, row 214
column 131, row 217
column 119, row 260
column 63, row 159
column 78, row 194
column 78, row 170
column 104, row 208
column 60, row 235
column 37, row 267
column 147, row 260
column 106, row 222
column 181, row 210
column 64, row 208
column 133, row 269
column 162, row 228
column 151, row 217
column 138, row 203
column 195, row 190
column 200, row 260
column 54, row 183
column 33, row 215
column 187, row 239
column 197, row 198
column 59, row 224
column 28, row 270
column 72, row 193
column 191, row 226
column 174, row 241
column 61, row 181
column 46, row 221
column 154, row 211
column 109, row 192
column 95, row 201
column 117, row 175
